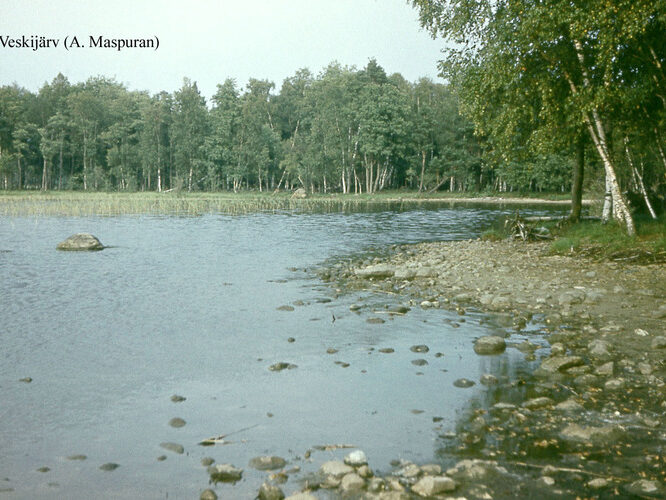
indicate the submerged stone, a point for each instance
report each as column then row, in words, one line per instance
column 463, row 383
column 490, row 344
column 429, row 486
column 278, row 367
column 177, row 422
column 225, row 473
column 82, row 242
column 267, row 463
column 208, row 495
column 109, row 466
column 270, row 492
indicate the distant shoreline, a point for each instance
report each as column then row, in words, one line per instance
column 81, row 203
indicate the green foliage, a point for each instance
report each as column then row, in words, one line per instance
column 534, row 76
column 610, row 241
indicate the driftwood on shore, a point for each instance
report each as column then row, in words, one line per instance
column 560, row 218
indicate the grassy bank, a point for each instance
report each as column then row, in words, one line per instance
column 73, row 203
column 610, row 241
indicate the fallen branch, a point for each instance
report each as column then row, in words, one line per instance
column 567, row 469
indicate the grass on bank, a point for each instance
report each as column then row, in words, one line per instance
column 610, row 241
column 77, row 203
column 593, row 239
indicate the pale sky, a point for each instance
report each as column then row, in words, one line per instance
column 209, row 41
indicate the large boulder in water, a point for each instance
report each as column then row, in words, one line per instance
column 81, row 241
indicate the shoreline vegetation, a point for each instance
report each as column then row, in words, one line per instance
column 77, row 203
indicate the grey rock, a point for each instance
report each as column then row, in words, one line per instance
column 599, row 349
column 645, row 487
column 375, row 321
column 593, row 296
column 474, row 470
column 660, row 313
column 490, row 344
column 356, row 458
column 658, row 342
column 335, row 468
column 500, row 302
column 409, row 471
column 431, row 469
column 615, row 384
column 429, row 486
column 376, row 271
column 537, row 403
column 426, row 272
column 556, row 364
column 80, row 242
column 177, row 399
column 586, row 380
column 557, row 349
column 404, row 273
column 225, row 473
column 571, row 297
column 546, row 481
column 208, row 495
column 375, row 485
column 278, row 367
column 352, row 482
column 301, row 495
column 605, row 370
column 270, row 492
column 463, row 383
column 419, row 348
column 595, row 435
column 419, row 362
column 598, row 483
column 569, row 405
column 387, row 350
column 174, row 447
column 267, row 463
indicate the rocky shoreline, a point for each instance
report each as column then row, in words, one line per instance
column 589, row 422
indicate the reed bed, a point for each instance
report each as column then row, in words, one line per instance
column 70, row 203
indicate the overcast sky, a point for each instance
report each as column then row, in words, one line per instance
column 209, row 41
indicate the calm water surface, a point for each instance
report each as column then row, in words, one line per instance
column 188, row 306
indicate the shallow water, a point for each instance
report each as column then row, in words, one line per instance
column 188, row 306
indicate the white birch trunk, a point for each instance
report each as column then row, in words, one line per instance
column 596, row 129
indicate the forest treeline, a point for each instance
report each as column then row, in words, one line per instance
column 344, row 130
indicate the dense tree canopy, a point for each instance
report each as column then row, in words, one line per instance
column 535, row 76
column 343, row 130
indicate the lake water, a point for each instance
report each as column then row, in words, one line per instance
column 189, row 306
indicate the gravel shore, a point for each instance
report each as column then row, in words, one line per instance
column 590, row 420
